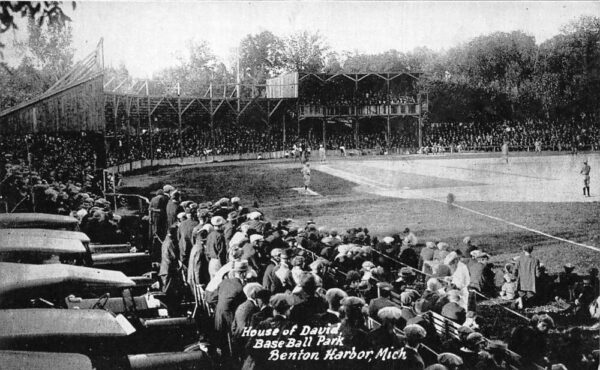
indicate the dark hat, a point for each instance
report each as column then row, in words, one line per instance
column 263, row 294
column 352, row 276
column 406, row 231
column 281, row 301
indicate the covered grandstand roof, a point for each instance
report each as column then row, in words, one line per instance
column 92, row 66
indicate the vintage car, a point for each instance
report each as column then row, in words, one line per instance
column 46, row 233
column 110, row 341
column 136, row 263
column 38, row 220
column 20, row 283
column 37, row 246
column 30, row 360
column 39, row 249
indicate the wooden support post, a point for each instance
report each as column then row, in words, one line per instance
column 269, row 116
column 283, row 130
column 212, row 117
column 389, row 108
column 150, row 125
column 298, row 118
column 139, row 119
column 180, row 123
column 420, row 131
column 129, row 122
column 356, row 130
column 324, row 135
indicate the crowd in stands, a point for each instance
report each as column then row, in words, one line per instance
column 521, row 135
column 50, row 173
column 365, row 293
column 360, row 99
column 194, row 143
column 198, row 143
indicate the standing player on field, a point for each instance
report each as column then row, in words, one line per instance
column 505, row 151
column 585, row 171
column 306, row 174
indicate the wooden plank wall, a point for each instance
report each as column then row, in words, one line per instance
column 79, row 108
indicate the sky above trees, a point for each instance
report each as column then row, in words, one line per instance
column 147, row 37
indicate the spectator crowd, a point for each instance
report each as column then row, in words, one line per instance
column 50, row 173
column 370, row 293
column 521, row 135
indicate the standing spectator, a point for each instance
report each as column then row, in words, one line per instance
column 229, row 295
column 216, row 249
column 184, row 235
column 158, row 214
column 173, row 208
column 526, row 271
column 170, row 272
column 245, row 311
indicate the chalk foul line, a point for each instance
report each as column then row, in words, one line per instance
column 386, row 187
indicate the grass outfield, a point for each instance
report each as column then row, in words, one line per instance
column 341, row 204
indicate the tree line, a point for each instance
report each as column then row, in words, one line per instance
column 495, row 77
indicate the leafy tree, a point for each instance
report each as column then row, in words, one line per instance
column 261, row 57
column 49, row 48
column 194, row 73
column 49, row 12
column 305, row 52
column 20, row 84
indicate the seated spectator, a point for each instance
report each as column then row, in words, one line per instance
column 509, row 288
column 385, row 336
column 495, row 358
column 453, row 310
column 334, row 297
column 385, row 292
column 412, row 359
column 471, row 351
column 529, row 341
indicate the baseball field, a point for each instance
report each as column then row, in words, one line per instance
column 533, row 200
